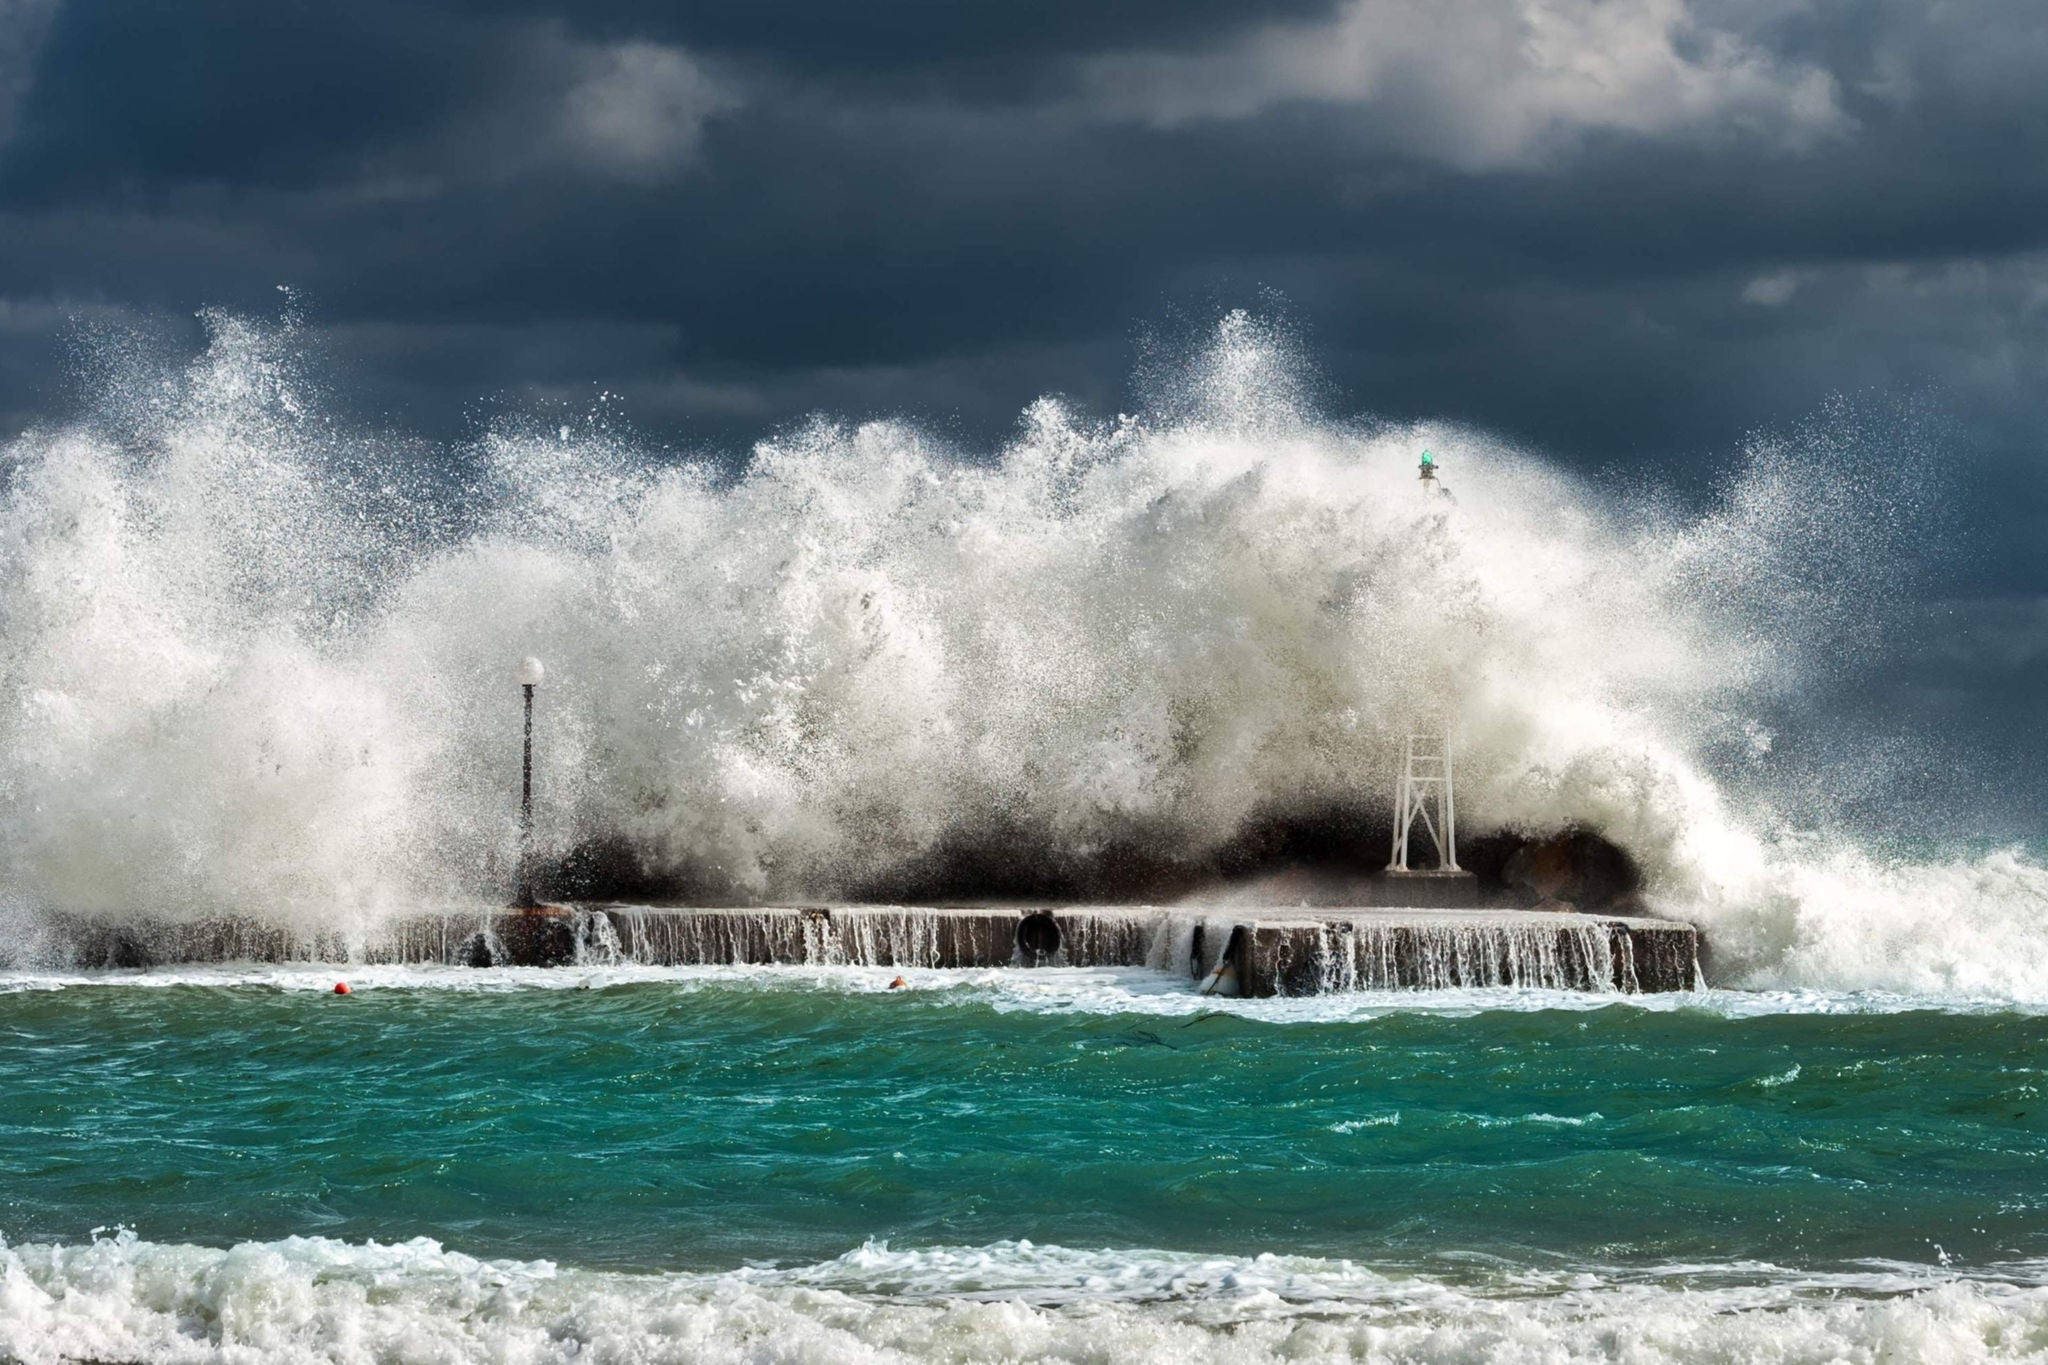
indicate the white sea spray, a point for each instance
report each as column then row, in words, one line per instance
column 317, row 1300
column 254, row 664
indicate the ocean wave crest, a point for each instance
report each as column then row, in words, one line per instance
column 316, row 1300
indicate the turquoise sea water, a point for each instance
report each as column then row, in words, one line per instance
column 805, row 1134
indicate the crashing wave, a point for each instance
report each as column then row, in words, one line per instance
column 252, row 663
column 318, row 1300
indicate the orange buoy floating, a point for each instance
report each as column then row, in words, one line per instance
column 341, row 988
column 898, row 984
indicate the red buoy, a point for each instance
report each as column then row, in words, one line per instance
column 341, row 988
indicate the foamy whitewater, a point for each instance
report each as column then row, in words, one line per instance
column 312, row 1299
column 254, row 663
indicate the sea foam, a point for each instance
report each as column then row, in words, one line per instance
column 317, row 1300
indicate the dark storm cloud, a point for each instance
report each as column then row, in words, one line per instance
column 974, row 52
column 1627, row 230
column 135, row 99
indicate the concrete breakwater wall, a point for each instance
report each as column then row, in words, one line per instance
column 1256, row 951
column 1437, row 950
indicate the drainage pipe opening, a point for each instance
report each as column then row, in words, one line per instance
column 1038, row 938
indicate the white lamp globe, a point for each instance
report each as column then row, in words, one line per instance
column 530, row 671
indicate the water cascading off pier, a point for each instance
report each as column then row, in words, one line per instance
column 1258, row 951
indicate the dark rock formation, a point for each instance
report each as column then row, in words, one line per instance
column 1329, row 854
column 1576, row 867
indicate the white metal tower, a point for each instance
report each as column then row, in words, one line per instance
column 1425, row 792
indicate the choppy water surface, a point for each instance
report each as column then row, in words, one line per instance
column 256, row 663
column 791, row 1164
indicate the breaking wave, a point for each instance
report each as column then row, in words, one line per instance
column 253, row 662
column 313, row 1299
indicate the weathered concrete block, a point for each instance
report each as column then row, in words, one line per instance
column 1426, row 890
column 1399, row 950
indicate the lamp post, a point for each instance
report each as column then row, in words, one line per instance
column 530, row 675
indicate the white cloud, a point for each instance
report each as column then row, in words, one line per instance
column 1487, row 83
column 628, row 110
column 639, row 108
column 1773, row 289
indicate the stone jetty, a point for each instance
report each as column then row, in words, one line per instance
column 1248, row 950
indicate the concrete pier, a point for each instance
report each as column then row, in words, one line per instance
column 1250, row 950
column 1297, row 952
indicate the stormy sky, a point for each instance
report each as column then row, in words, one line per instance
column 1628, row 232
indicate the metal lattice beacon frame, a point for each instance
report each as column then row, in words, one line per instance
column 1426, row 774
